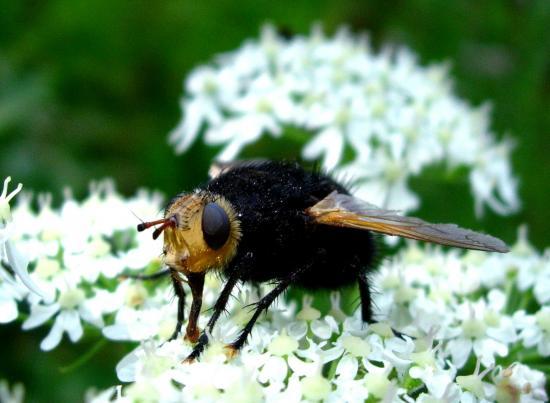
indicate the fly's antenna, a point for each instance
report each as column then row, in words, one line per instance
column 169, row 222
column 144, row 225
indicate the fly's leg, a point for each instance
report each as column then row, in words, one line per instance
column 180, row 293
column 196, row 282
column 218, row 308
column 261, row 306
column 366, row 302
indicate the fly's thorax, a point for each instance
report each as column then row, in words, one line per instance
column 205, row 234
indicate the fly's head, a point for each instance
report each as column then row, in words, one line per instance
column 201, row 232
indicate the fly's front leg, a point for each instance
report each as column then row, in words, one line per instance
column 180, row 293
column 196, row 282
column 218, row 308
column 237, row 272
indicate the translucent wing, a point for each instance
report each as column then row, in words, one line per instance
column 347, row 211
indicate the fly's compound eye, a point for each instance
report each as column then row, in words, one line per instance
column 215, row 225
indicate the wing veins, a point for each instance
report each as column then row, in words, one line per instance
column 346, row 211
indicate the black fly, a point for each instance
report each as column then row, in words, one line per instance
column 267, row 221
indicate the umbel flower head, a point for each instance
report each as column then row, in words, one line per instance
column 16, row 261
column 465, row 348
column 468, row 329
column 376, row 118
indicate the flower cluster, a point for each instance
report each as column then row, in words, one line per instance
column 466, row 334
column 455, row 310
column 76, row 253
column 374, row 118
column 9, row 255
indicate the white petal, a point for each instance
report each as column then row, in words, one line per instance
column 116, row 332
column 90, row 311
column 8, row 310
column 297, row 330
column 54, row 337
column 230, row 151
column 460, row 350
column 19, row 264
column 274, row 370
column 321, row 329
column 330, row 143
column 71, row 324
column 542, row 290
column 506, row 332
column 126, row 368
column 300, row 367
column 39, row 315
column 486, row 349
column 186, row 132
column 544, row 346
column 347, row 367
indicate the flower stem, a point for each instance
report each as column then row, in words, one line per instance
column 84, row 358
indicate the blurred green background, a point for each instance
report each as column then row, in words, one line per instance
column 91, row 89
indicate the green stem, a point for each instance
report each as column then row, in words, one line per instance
column 525, row 300
column 512, row 297
column 84, row 358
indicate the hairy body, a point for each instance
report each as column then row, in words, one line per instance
column 278, row 237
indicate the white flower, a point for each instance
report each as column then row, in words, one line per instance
column 474, row 383
column 18, row 262
column 482, row 328
column 5, row 212
column 492, row 176
column 519, row 381
column 70, row 307
column 535, row 329
column 149, row 361
column 376, row 118
column 140, row 316
column 10, row 293
column 436, row 378
column 377, row 380
column 16, row 395
column 315, row 387
column 381, row 178
column 444, row 299
column 308, row 355
column 70, row 250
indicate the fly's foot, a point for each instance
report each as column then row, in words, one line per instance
column 192, row 334
column 401, row 335
column 174, row 335
column 197, row 350
column 230, row 351
column 189, row 360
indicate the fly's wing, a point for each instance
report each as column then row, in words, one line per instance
column 217, row 168
column 347, row 211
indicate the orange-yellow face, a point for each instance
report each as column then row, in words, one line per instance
column 204, row 235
